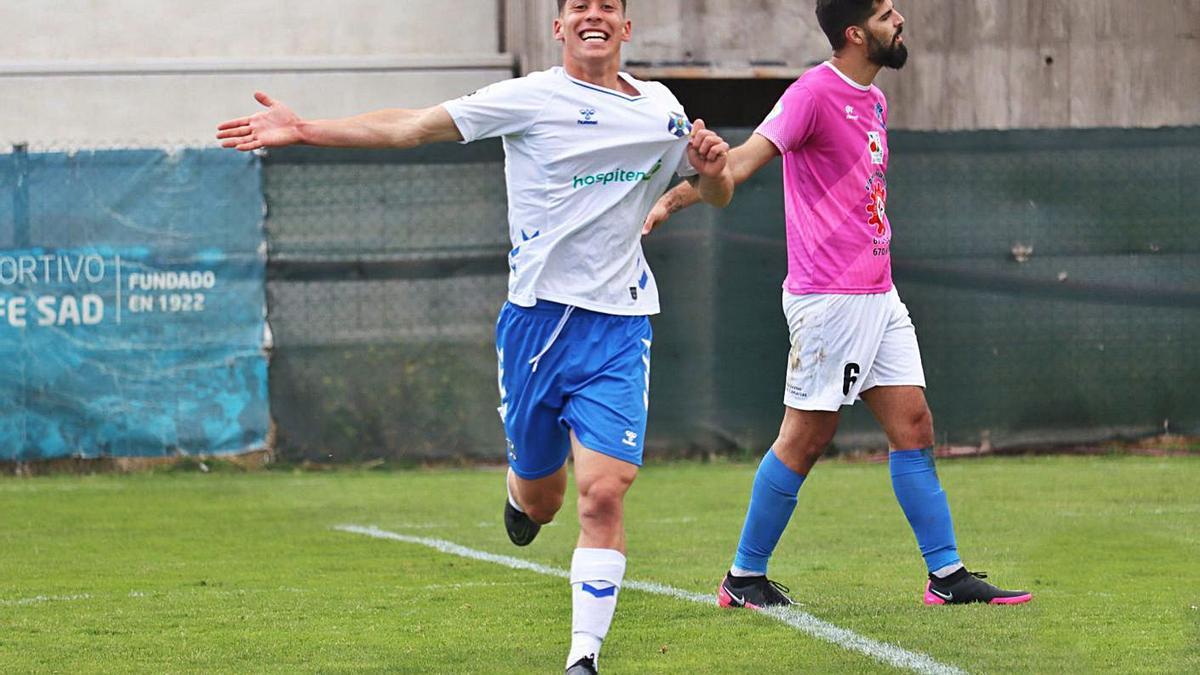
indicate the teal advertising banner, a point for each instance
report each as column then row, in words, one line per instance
column 132, row 304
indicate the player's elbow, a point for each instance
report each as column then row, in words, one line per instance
column 434, row 125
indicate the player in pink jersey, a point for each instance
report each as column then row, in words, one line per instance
column 851, row 335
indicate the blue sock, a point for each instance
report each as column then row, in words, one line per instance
column 772, row 502
column 917, row 488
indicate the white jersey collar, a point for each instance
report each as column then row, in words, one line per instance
column 846, row 79
column 605, row 90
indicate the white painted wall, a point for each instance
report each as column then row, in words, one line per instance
column 244, row 29
column 136, row 73
column 53, row 112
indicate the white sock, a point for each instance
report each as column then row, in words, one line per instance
column 739, row 572
column 511, row 500
column 946, row 571
column 596, row 575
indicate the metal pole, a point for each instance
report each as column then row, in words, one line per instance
column 20, row 240
column 21, row 234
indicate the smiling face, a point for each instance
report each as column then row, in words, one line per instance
column 592, row 31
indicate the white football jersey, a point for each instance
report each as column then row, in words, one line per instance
column 584, row 165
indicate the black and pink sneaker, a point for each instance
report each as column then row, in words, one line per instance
column 963, row 587
column 752, row 593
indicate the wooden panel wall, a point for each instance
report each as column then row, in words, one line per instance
column 728, row 34
column 1002, row 64
column 527, row 34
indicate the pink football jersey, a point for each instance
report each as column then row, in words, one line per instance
column 832, row 133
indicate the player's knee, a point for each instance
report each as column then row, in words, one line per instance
column 602, row 500
column 919, row 428
column 801, row 448
column 543, row 509
column 542, row 513
column 800, row 458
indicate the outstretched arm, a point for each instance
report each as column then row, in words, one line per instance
column 744, row 161
column 392, row 128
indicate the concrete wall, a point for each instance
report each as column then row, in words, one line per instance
column 733, row 38
column 999, row 64
column 88, row 73
column 981, row 64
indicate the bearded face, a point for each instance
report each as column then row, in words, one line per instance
column 891, row 53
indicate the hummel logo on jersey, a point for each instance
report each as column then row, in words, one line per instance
column 850, row 113
column 586, row 115
column 630, row 439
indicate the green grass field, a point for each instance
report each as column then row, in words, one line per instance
column 243, row 572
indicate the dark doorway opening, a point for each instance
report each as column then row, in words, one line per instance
column 728, row 103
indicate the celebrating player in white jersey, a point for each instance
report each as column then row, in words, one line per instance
column 588, row 150
column 851, row 336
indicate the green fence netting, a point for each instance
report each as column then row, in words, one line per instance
column 1053, row 277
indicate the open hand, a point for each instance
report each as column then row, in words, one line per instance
column 273, row 127
column 658, row 215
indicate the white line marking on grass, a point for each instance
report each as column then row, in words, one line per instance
column 44, row 598
column 801, row 621
column 472, row 584
column 663, row 521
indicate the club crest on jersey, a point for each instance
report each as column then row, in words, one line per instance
column 875, row 144
column 586, row 115
column 679, row 125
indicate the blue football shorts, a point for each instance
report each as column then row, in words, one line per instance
column 565, row 369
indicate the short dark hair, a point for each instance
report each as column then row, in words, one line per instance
column 835, row 16
column 563, row 3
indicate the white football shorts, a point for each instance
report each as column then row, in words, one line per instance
column 845, row 344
